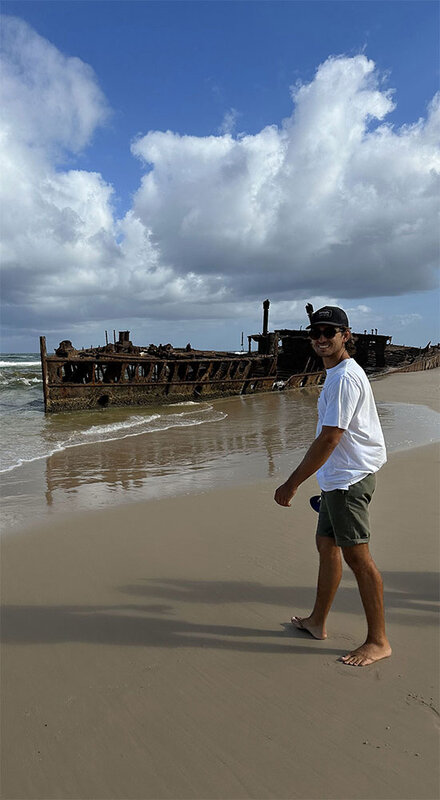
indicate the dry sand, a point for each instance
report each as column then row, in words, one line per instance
column 146, row 651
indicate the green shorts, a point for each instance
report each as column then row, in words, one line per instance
column 343, row 514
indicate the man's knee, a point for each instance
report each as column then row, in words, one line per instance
column 357, row 556
column 327, row 546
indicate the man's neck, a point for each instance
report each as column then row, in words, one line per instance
column 333, row 361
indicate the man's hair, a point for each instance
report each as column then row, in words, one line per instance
column 350, row 344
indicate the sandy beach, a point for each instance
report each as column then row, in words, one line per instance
column 146, row 650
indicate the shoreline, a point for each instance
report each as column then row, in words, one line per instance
column 147, row 653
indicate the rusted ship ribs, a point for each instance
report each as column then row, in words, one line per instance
column 426, row 358
column 122, row 374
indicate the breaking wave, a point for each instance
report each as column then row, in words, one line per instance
column 18, row 380
column 19, row 372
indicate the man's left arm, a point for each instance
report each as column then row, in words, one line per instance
column 317, row 454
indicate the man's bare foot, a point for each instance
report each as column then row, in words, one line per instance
column 306, row 624
column 367, row 654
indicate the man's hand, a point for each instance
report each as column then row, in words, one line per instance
column 285, row 493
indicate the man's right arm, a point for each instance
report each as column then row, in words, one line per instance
column 317, row 454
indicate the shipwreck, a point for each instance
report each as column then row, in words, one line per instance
column 122, row 374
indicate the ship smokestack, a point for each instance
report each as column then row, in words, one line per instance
column 266, row 304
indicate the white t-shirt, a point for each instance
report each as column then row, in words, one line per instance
column 346, row 401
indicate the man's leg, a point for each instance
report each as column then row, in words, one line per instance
column 376, row 645
column 329, row 576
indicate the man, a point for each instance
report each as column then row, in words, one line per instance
column 348, row 450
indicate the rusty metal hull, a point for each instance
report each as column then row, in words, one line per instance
column 85, row 380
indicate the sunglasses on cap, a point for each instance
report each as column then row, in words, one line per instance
column 329, row 331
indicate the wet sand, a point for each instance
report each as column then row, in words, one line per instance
column 147, row 653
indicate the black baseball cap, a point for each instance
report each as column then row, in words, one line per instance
column 329, row 315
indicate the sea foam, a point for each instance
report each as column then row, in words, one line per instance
column 20, row 364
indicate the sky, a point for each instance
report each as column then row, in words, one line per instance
column 167, row 166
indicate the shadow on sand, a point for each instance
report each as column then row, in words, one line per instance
column 409, row 597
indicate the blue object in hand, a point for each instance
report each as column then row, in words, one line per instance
column 315, row 502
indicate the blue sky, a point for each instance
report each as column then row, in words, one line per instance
column 175, row 236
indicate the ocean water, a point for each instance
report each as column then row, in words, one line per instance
column 91, row 459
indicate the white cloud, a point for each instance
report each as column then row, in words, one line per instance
column 403, row 320
column 362, row 309
column 321, row 203
column 331, row 202
column 52, row 101
column 229, row 121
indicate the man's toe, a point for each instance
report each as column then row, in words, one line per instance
column 356, row 660
column 349, row 659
